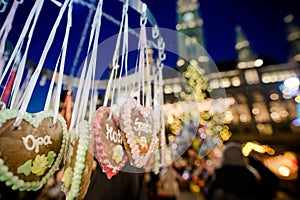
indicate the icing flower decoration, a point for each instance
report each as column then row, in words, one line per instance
column 51, row 156
column 25, row 168
column 67, row 177
column 117, row 153
column 40, row 164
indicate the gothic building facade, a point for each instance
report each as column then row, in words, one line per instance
column 260, row 110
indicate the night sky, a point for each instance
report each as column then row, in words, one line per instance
column 261, row 21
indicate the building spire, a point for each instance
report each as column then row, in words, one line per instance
column 246, row 56
column 190, row 37
column 293, row 38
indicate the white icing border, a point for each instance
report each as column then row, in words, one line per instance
column 82, row 148
column 138, row 160
column 14, row 181
column 101, row 155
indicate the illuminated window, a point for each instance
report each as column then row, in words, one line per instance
column 251, row 76
column 244, row 113
column 236, row 81
column 265, row 129
column 214, row 84
column 240, row 97
column 274, row 96
column 260, row 112
column 278, row 112
column 278, row 76
column 225, row 82
column 168, row 89
column 190, row 43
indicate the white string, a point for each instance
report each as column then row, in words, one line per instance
column 148, row 74
column 91, row 71
column 124, row 58
column 56, row 3
column 96, row 24
column 62, row 62
column 33, row 12
column 20, row 94
column 20, row 71
column 115, row 59
column 33, row 80
column 82, row 39
column 141, row 91
column 5, row 29
column 50, row 90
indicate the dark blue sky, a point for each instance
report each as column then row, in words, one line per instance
column 261, row 20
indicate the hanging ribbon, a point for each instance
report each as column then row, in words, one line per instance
column 159, row 95
column 61, row 59
column 35, row 11
column 22, row 63
column 81, row 99
column 34, row 78
column 6, row 27
column 110, row 89
column 143, row 67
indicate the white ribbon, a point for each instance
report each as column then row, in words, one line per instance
column 62, row 59
column 29, row 90
column 20, row 71
column 5, row 29
column 34, row 11
column 85, row 79
column 110, row 89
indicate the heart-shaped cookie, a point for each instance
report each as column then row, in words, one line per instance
column 31, row 152
column 108, row 142
column 138, row 132
column 79, row 163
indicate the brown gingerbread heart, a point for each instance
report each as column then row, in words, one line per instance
column 79, row 163
column 31, row 152
column 108, row 142
column 138, row 132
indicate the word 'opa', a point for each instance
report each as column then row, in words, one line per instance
column 32, row 143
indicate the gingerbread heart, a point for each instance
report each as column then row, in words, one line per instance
column 138, row 132
column 108, row 142
column 79, row 163
column 31, row 152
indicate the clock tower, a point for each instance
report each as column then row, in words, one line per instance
column 246, row 56
column 190, row 37
column 293, row 38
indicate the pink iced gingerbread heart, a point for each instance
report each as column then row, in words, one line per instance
column 108, row 142
column 31, row 152
column 138, row 132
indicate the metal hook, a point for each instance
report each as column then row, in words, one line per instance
column 143, row 19
column 125, row 7
column 155, row 31
column 4, row 6
column 162, row 56
column 160, row 43
column 19, row 1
